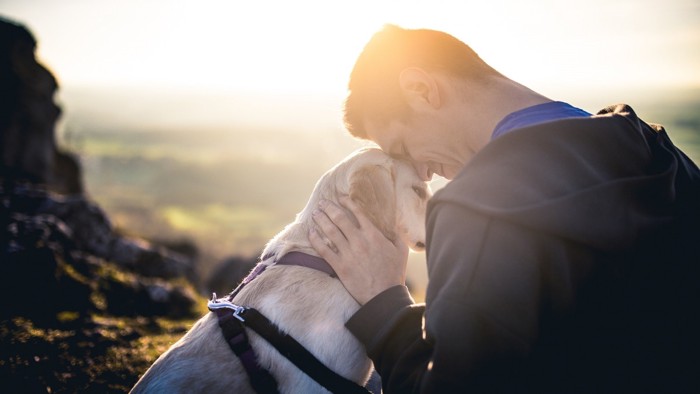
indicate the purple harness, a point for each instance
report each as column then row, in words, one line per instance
column 291, row 258
column 234, row 318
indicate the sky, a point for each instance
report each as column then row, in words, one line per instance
column 308, row 47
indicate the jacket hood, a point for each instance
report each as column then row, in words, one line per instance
column 602, row 181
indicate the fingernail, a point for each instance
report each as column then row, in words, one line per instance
column 315, row 212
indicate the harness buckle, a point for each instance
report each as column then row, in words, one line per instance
column 215, row 304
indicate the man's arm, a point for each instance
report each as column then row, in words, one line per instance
column 484, row 300
column 390, row 328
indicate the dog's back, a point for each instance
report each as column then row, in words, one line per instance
column 309, row 305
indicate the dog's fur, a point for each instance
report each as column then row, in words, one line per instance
column 309, row 305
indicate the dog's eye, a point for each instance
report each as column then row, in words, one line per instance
column 420, row 192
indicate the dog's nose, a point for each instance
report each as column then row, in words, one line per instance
column 420, row 245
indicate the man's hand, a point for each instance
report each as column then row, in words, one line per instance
column 366, row 262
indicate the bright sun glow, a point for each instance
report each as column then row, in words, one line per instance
column 278, row 47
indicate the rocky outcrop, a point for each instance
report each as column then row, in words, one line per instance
column 82, row 303
column 90, row 230
column 63, row 250
column 28, row 112
column 42, row 193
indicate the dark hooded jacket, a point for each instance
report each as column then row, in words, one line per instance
column 564, row 258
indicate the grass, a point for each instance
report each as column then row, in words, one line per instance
column 100, row 354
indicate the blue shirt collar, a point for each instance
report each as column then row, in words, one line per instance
column 536, row 114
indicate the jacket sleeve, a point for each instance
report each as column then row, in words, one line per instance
column 488, row 282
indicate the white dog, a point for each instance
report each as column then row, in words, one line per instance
column 309, row 305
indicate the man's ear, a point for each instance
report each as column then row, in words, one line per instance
column 419, row 88
column 372, row 188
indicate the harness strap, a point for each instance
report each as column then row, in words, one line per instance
column 299, row 355
column 306, row 260
column 233, row 319
column 234, row 333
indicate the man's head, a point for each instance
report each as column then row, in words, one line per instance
column 398, row 79
column 374, row 90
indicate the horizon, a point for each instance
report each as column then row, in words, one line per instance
column 277, row 65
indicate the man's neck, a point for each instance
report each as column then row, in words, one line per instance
column 492, row 101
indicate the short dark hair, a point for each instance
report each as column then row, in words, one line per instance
column 374, row 92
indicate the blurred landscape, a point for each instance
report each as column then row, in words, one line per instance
column 201, row 167
column 198, row 167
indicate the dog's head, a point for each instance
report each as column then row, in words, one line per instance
column 390, row 193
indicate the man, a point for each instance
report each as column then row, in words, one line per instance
column 562, row 256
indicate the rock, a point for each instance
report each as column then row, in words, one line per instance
column 28, row 113
column 34, row 171
column 85, row 308
column 228, row 274
column 50, row 262
column 91, row 231
column 66, row 177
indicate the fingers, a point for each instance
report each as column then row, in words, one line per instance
column 331, row 235
column 334, row 221
column 365, row 261
column 363, row 222
column 323, row 246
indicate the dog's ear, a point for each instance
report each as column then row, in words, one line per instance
column 372, row 188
